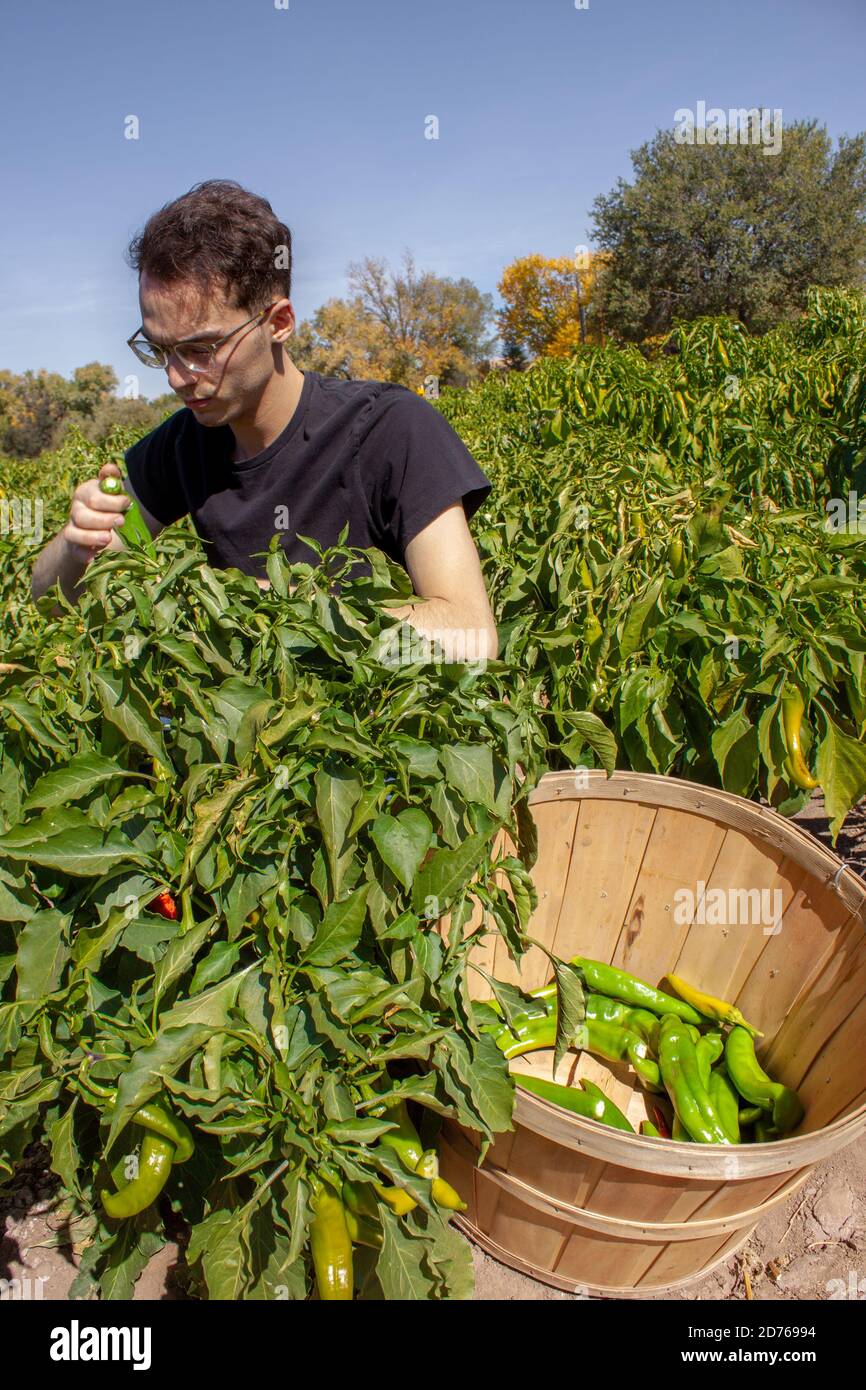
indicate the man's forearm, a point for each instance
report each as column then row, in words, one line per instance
column 459, row 633
column 58, row 562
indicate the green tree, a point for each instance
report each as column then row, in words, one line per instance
column 91, row 385
column 730, row 229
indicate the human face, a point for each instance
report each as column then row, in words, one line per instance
column 232, row 388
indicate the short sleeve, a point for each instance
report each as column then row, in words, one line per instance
column 415, row 465
column 152, row 466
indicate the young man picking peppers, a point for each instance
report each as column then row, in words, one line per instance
column 262, row 448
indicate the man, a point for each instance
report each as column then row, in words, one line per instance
column 262, row 447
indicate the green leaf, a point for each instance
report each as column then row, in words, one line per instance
column 43, row 951
column 589, row 729
column 81, row 850
column 571, row 1010
column 219, row 1242
column 220, row 960
column 402, row 841
column 469, row 769
column 143, row 1078
column 735, row 749
column 445, row 875
column 81, row 775
column 336, row 797
column 402, row 1268
column 841, row 770
column 340, row 930
column 124, row 707
column 637, row 618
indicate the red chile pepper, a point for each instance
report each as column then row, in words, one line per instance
column 164, row 905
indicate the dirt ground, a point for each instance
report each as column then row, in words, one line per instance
column 811, row 1247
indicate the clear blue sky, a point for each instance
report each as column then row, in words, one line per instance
column 321, row 108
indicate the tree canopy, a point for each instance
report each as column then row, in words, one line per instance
column 730, row 229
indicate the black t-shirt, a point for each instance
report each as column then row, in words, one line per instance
column 370, row 453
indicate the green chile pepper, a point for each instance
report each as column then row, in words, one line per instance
column 755, row 1086
column 607, row 1010
column 154, row 1116
column 681, row 1073
column 676, row 557
column 590, row 1104
column 649, row 1130
column 646, row 1025
column 134, row 530
column 363, row 1231
column 608, row 1040
column 618, row 984
column 358, row 1198
column 525, row 1034
column 749, row 1114
column 404, row 1140
column 765, row 1132
column 709, row 1049
column 727, row 1103
column 154, row 1167
column 331, row 1246
column 793, row 708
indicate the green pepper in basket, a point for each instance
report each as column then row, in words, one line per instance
column 755, row 1086
column 681, row 1074
column 709, row 1049
column 727, row 1103
column 608, row 1040
column 618, row 984
column 590, row 1105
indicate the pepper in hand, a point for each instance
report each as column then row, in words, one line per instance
column 134, row 531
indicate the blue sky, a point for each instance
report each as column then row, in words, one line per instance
column 320, row 106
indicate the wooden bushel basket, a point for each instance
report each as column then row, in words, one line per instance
column 595, row 1210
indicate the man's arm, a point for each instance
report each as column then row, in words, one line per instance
column 92, row 526
column 445, row 570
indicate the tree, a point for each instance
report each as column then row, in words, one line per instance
column 32, row 407
column 37, row 408
column 543, row 298
column 91, row 385
column 399, row 327
column 730, row 229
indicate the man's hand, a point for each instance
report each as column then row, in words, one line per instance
column 94, row 518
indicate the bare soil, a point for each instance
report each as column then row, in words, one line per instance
column 812, row 1247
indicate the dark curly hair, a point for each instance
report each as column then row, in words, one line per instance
column 218, row 234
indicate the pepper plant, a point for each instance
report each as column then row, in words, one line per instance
column 316, row 808
column 663, row 558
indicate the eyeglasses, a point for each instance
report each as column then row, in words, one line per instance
column 196, row 357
